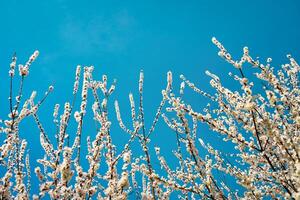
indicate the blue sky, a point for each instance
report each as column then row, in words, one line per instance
column 122, row 37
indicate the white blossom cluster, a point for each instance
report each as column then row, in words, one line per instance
column 60, row 172
column 14, row 160
column 263, row 127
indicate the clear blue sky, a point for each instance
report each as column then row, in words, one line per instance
column 122, row 37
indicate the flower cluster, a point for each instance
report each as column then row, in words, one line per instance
column 262, row 125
